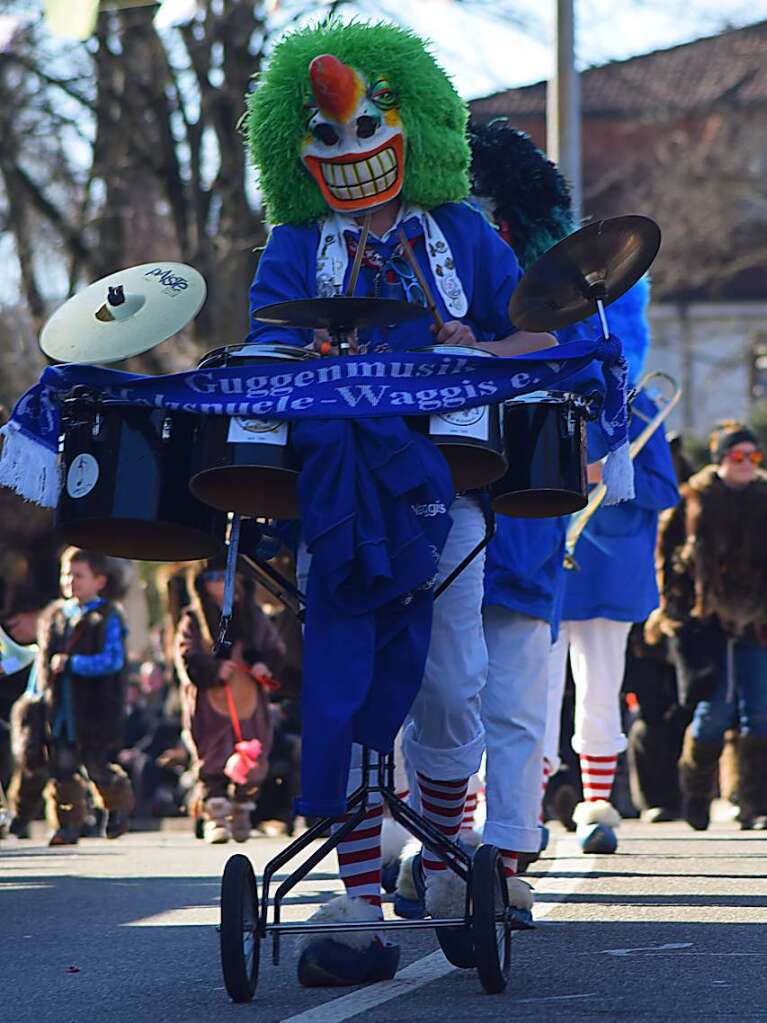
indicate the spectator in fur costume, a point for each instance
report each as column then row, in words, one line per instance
column 80, row 669
column 712, row 562
column 257, row 652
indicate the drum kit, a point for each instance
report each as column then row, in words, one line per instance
column 151, row 485
column 154, row 485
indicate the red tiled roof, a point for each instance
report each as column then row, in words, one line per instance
column 729, row 68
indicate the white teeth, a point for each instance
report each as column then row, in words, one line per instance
column 364, row 178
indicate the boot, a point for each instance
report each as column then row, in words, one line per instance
column 698, row 765
column 215, row 829
column 115, row 798
column 240, row 821
column 65, row 808
column 752, row 780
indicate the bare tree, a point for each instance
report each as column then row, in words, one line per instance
column 126, row 149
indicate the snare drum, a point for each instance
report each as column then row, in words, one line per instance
column 545, row 437
column 470, row 439
column 248, row 465
column 125, row 481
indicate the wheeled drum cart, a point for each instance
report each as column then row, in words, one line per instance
column 251, row 913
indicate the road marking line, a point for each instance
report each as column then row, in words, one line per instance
column 432, row 967
column 647, row 948
column 552, row 998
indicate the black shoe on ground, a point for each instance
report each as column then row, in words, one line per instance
column 117, row 823
column 697, row 812
column 563, row 803
column 65, row 836
column 328, row 963
column 19, row 827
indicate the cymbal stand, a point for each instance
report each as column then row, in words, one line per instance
column 223, row 644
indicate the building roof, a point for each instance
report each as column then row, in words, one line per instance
column 726, row 69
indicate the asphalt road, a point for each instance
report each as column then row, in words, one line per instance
column 673, row 927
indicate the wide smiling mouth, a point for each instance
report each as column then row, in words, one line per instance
column 359, row 179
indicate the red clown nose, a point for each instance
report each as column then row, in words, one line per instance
column 335, row 85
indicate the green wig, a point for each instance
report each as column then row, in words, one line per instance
column 433, row 116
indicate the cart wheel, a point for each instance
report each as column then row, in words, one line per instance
column 199, row 827
column 240, row 943
column 492, row 938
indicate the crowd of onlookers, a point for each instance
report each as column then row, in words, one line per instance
column 108, row 718
column 116, row 708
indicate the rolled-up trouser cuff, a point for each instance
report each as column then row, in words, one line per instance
column 508, row 836
column 444, row 764
column 590, row 748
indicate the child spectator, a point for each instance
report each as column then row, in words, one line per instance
column 81, row 661
column 257, row 651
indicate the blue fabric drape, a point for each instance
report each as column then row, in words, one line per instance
column 374, row 498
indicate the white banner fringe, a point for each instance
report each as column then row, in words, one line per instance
column 618, row 476
column 28, row 468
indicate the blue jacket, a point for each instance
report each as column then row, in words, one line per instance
column 523, row 567
column 487, row 268
column 616, row 554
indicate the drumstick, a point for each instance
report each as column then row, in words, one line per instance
column 408, row 254
column 358, row 257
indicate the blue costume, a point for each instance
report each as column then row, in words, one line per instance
column 444, row 738
column 485, row 265
column 615, row 555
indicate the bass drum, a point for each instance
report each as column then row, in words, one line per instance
column 125, row 482
column 248, row 465
column 470, row 439
column 545, row 436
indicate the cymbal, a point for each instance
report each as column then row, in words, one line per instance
column 124, row 314
column 339, row 313
column 600, row 261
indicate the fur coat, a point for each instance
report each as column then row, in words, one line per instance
column 712, row 556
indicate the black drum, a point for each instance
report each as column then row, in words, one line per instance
column 248, row 465
column 125, row 487
column 545, row 435
column 470, row 439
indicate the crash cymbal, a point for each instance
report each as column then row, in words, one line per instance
column 339, row 313
column 600, row 261
column 124, row 314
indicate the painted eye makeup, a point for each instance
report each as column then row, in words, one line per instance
column 382, row 94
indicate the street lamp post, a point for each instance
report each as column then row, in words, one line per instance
column 563, row 104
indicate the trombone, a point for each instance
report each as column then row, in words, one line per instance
column 666, row 402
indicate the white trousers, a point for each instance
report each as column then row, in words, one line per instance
column 597, row 657
column 443, row 737
column 514, row 716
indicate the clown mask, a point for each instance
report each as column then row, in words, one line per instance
column 354, row 147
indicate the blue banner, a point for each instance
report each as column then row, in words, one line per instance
column 386, row 384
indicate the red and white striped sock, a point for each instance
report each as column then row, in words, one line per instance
column 442, row 804
column 545, row 785
column 510, row 864
column 597, row 775
column 359, row 857
column 469, row 810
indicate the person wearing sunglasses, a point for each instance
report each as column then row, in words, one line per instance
column 713, row 575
